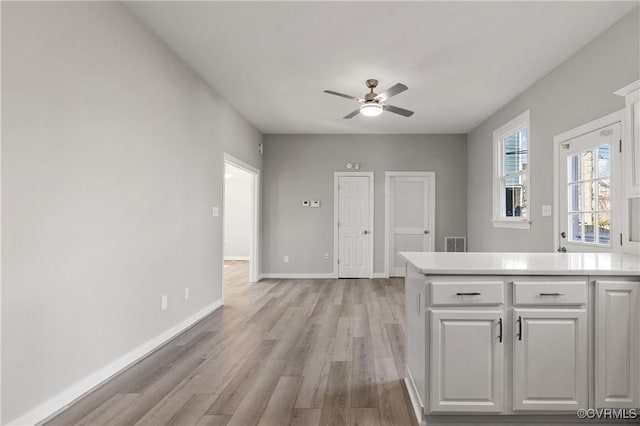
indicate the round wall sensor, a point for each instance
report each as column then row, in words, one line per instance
column 349, row 166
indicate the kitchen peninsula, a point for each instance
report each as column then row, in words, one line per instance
column 491, row 336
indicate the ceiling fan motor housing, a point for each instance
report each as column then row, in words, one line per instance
column 372, row 83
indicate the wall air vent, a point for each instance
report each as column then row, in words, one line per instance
column 455, row 244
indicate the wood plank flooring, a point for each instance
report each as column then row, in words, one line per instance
column 280, row 352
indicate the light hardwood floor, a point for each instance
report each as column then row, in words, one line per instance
column 280, row 352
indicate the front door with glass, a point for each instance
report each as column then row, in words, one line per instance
column 589, row 181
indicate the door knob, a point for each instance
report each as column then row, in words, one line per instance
column 365, row 232
column 426, row 232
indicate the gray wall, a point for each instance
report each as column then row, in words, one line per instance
column 578, row 91
column 112, row 158
column 238, row 217
column 300, row 167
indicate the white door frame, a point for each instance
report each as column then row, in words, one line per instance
column 599, row 123
column 254, row 248
column 387, row 209
column 336, row 215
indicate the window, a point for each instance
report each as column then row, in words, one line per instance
column 511, row 164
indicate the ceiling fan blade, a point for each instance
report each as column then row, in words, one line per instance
column 352, row 114
column 342, row 95
column 397, row 110
column 391, row 91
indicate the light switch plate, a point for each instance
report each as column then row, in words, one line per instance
column 315, row 203
column 546, row 210
column 216, row 211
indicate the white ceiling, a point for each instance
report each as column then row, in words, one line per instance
column 461, row 60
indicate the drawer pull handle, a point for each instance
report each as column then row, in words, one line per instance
column 500, row 336
column 468, row 294
column 551, row 294
column 519, row 328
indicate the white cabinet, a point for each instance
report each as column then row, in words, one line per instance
column 631, row 168
column 415, row 347
column 550, row 359
column 617, row 343
column 532, row 347
column 631, row 93
column 467, row 361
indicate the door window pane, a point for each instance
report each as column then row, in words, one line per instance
column 575, row 228
column 573, row 168
column 604, row 228
column 574, row 197
column 604, row 195
column 603, row 161
column 589, row 220
column 588, row 196
column 586, row 165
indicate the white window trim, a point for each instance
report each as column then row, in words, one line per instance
column 523, row 120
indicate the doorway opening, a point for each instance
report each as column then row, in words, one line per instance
column 240, row 222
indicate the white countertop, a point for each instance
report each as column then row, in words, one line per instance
column 524, row 263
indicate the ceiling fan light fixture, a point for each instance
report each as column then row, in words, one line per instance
column 371, row 109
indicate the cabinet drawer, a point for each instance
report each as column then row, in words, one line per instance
column 550, row 292
column 466, row 293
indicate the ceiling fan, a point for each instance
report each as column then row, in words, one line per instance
column 373, row 104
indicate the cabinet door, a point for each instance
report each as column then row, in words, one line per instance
column 617, row 345
column 633, row 118
column 550, row 359
column 416, row 330
column 467, row 352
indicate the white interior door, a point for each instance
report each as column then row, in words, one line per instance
column 354, row 227
column 410, row 218
column 589, row 181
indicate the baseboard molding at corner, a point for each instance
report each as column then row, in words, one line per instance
column 236, row 258
column 279, row 276
column 415, row 398
column 55, row 405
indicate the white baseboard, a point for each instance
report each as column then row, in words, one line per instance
column 327, row 276
column 236, row 258
column 323, row 276
column 59, row 402
column 414, row 397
